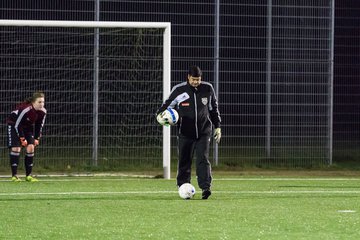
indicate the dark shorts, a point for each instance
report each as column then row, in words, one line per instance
column 13, row 138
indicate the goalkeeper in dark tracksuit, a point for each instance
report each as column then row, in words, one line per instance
column 25, row 125
column 197, row 106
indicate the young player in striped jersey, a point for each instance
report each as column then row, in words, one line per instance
column 25, row 125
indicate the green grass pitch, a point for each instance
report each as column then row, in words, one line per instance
column 146, row 208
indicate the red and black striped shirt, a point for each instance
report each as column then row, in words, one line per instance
column 27, row 120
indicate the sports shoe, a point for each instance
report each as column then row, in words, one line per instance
column 31, row 179
column 15, row 179
column 206, row 193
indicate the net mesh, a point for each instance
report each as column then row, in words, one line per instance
column 60, row 62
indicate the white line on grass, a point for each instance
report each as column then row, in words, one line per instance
column 346, row 211
column 287, row 179
column 293, row 192
column 164, row 192
column 87, row 175
column 78, row 179
column 86, row 193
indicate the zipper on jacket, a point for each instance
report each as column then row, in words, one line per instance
column 196, row 127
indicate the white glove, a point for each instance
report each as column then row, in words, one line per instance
column 217, row 135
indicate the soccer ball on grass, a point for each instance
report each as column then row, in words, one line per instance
column 186, row 191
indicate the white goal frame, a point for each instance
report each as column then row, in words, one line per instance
column 99, row 24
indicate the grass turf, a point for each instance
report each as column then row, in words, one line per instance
column 143, row 208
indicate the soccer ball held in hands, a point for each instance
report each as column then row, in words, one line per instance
column 168, row 117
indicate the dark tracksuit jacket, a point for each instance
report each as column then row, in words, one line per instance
column 26, row 122
column 198, row 115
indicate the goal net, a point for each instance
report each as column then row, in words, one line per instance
column 103, row 83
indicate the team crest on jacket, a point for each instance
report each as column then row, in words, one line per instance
column 204, row 100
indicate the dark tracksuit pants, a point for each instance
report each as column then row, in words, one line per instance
column 187, row 147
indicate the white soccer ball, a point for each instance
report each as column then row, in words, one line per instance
column 168, row 117
column 186, row 191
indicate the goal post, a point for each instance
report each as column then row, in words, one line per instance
column 166, row 67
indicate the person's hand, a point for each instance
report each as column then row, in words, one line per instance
column 217, row 135
column 23, row 141
column 36, row 142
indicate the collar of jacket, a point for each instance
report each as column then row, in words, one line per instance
column 193, row 88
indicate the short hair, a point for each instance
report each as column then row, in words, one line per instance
column 195, row 71
column 35, row 95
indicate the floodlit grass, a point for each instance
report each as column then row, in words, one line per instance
column 140, row 208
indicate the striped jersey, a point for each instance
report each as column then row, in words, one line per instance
column 26, row 120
